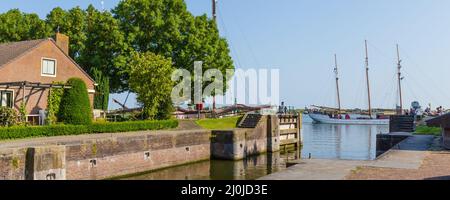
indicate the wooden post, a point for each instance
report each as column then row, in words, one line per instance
column 24, row 101
column 23, row 92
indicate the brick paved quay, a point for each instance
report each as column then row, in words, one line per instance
column 418, row 157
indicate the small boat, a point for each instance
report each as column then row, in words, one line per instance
column 337, row 116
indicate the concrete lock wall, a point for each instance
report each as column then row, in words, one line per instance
column 386, row 142
column 273, row 133
column 240, row 143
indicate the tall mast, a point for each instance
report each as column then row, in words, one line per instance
column 367, row 78
column 399, row 67
column 337, row 82
column 214, row 15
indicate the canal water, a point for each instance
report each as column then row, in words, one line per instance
column 346, row 142
column 320, row 141
column 247, row 169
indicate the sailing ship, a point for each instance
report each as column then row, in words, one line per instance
column 339, row 116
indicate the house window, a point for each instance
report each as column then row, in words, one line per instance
column 48, row 67
column 6, row 98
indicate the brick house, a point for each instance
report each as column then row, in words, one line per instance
column 28, row 69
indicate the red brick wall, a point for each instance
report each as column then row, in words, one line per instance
column 12, row 164
column 126, row 155
column 115, row 154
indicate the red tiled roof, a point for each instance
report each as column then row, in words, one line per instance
column 13, row 50
column 10, row 51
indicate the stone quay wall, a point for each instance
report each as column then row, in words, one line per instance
column 105, row 156
column 12, row 164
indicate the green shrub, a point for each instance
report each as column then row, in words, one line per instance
column 132, row 126
column 101, row 98
column 53, row 103
column 75, row 107
column 18, row 132
column 23, row 113
column 8, row 116
column 150, row 79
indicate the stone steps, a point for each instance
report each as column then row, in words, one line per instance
column 250, row 121
column 401, row 124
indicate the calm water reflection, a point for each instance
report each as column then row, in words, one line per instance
column 248, row 169
column 348, row 142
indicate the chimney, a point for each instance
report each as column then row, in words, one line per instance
column 63, row 42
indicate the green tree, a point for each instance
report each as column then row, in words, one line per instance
column 75, row 107
column 153, row 25
column 17, row 26
column 166, row 27
column 101, row 41
column 101, row 98
column 104, row 48
column 96, row 41
column 203, row 43
column 73, row 24
column 150, row 78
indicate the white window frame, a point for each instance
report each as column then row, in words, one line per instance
column 12, row 96
column 42, row 67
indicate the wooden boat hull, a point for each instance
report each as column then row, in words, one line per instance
column 325, row 119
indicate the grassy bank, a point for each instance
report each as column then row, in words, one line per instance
column 219, row 124
column 426, row 130
column 19, row 132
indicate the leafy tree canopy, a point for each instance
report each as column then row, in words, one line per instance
column 167, row 28
column 104, row 40
column 18, row 26
column 150, row 78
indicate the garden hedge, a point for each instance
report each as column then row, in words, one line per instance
column 18, row 132
column 75, row 107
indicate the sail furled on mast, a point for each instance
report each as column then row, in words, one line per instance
column 367, row 79
column 399, row 68
column 337, row 82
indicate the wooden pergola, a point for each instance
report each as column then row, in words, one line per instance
column 23, row 85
